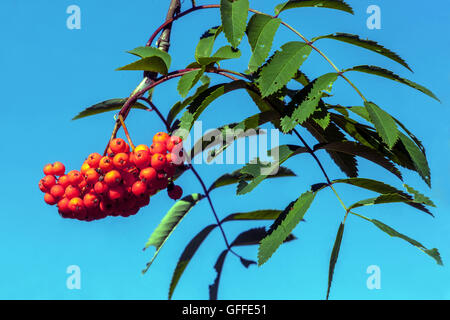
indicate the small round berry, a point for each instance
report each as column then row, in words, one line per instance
column 106, row 164
column 48, row 169
column 72, row 192
column 49, row 199
column 128, row 178
column 116, row 193
column 58, row 168
column 172, row 142
column 64, row 181
column 85, row 167
column 57, row 191
column 141, row 158
column 161, row 137
column 75, row 177
column 141, row 147
column 63, row 205
column 175, row 193
column 90, row 201
column 94, row 160
column 148, row 174
column 48, row 181
column 120, row 160
column 158, row 161
column 158, row 147
column 112, row 178
column 91, row 176
column 76, row 205
column 118, row 145
column 139, row 188
column 100, row 187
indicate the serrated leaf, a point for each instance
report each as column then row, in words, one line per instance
column 283, row 226
column 106, row 106
column 383, row 199
column 260, row 171
column 307, row 100
column 205, row 45
column 188, row 81
column 367, row 44
column 418, row 197
column 249, row 237
column 253, row 215
column 392, row 76
column 360, row 150
column 261, row 31
column 204, row 99
column 234, row 15
column 334, row 256
column 331, row 4
column 418, row 158
column 187, row 255
column 223, row 53
column 236, row 176
column 180, row 105
column 384, row 123
column 170, row 222
column 433, row 253
column 380, row 187
column 282, row 67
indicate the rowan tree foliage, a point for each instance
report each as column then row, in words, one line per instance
column 344, row 133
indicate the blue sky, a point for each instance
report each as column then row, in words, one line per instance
column 49, row 73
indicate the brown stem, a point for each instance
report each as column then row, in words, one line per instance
column 122, row 122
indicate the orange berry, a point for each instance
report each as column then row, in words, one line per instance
column 76, row 204
column 90, row 201
column 141, row 158
column 100, row 187
column 57, row 191
column 106, row 164
column 142, row 147
column 118, row 145
column 64, row 181
column 48, row 169
column 58, row 168
column 49, row 199
column 161, row 137
column 116, row 193
column 48, row 181
column 75, row 177
column 148, row 174
column 91, row 176
column 158, row 161
column 63, row 205
column 72, row 192
column 158, row 147
column 94, row 160
column 112, row 178
column 85, row 167
column 120, row 160
column 139, row 188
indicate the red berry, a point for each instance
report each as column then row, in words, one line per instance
column 106, row 164
column 57, row 191
column 100, row 187
column 142, row 147
column 172, row 142
column 91, row 176
column 85, row 167
column 161, row 137
column 48, row 169
column 118, row 145
column 116, row 193
column 120, row 160
column 58, row 168
column 158, row 147
column 112, row 178
column 141, row 158
column 74, row 177
column 49, row 199
column 42, row 187
column 148, row 174
column 175, row 193
column 48, row 181
column 63, row 205
column 94, row 160
column 72, row 192
column 158, row 161
column 64, row 181
column 139, row 188
column 90, row 201
column 76, row 204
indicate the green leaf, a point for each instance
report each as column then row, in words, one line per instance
column 384, row 123
column 180, row 105
column 418, row 197
column 236, row 176
column 392, row 76
column 418, row 158
column 249, row 237
column 334, row 256
column 367, row 44
column 360, row 150
column 331, row 4
column 188, row 81
column 383, row 199
column 261, row 31
column 224, row 53
column 380, row 187
column 260, row 171
column 153, row 59
column 253, row 215
column 307, row 100
column 187, row 256
column 204, row 99
column 282, row 67
column 234, row 19
column 433, row 253
column 170, row 222
column 205, row 45
column 283, row 226
column 105, row 106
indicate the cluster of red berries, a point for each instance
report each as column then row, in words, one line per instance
column 118, row 184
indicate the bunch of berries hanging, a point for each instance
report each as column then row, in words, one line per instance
column 117, row 184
